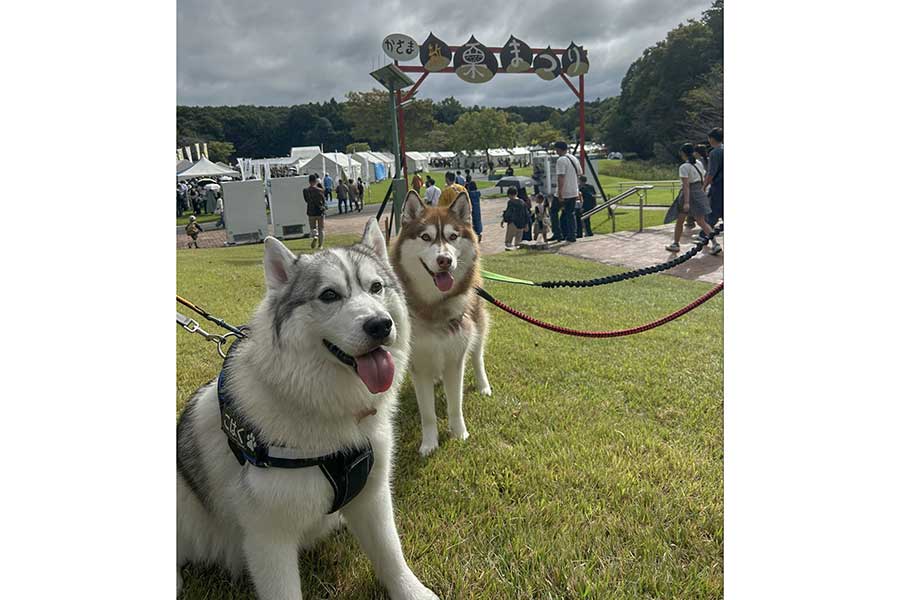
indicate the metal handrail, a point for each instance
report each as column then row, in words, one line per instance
column 640, row 190
column 615, row 200
column 673, row 185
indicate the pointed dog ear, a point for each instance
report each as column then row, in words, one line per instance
column 413, row 208
column 374, row 239
column 277, row 263
column 461, row 208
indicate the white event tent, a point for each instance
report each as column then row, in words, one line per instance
column 370, row 162
column 332, row 163
column 205, row 168
column 416, row 161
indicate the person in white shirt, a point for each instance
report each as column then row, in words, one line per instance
column 432, row 192
column 568, row 170
column 691, row 200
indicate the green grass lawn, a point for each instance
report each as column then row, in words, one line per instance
column 210, row 218
column 594, row 471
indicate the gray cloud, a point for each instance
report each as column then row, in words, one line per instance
column 279, row 52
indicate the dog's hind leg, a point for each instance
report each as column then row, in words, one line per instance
column 481, row 380
column 453, row 388
column 424, row 385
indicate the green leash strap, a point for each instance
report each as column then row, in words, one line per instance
column 504, row 278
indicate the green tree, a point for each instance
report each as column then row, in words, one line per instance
column 540, row 134
column 220, row 151
column 481, row 130
column 448, row 110
column 358, row 147
column 370, row 117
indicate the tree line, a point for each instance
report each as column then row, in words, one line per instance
column 672, row 93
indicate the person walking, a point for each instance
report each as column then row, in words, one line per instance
column 451, row 190
column 193, row 229
column 432, row 192
column 417, row 183
column 220, row 210
column 459, row 179
column 715, row 177
column 475, row 199
column 523, row 195
column 515, row 217
column 329, row 184
column 343, row 192
column 541, row 217
column 567, row 172
column 315, row 210
column 588, row 202
column 360, row 194
column 690, row 200
column 353, row 194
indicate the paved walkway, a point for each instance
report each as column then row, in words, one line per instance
column 628, row 249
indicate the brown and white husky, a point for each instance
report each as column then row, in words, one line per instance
column 436, row 259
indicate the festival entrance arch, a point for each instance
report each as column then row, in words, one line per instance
column 475, row 63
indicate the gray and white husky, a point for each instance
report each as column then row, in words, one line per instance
column 318, row 373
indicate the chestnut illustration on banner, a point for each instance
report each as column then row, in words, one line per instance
column 575, row 60
column 516, row 56
column 474, row 63
column 434, row 54
column 547, row 65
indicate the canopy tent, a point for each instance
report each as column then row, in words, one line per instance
column 304, row 152
column 332, row 163
column 416, row 161
column 374, row 167
column 205, row 168
column 496, row 153
column 468, row 159
column 181, row 165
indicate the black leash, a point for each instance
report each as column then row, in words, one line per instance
column 220, row 322
column 636, row 272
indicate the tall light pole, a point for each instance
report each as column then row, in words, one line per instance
column 393, row 79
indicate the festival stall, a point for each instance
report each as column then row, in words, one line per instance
column 374, row 167
column 205, row 168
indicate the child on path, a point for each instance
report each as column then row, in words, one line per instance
column 515, row 217
column 193, row 230
column 541, row 217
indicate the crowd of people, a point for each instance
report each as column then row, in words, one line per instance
column 526, row 217
column 198, row 197
column 202, row 197
column 530, row 218
column 701, row 198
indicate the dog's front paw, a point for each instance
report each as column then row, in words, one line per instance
column 486, row 390
column 413, row 590
column 428, row 446
column 459, row 432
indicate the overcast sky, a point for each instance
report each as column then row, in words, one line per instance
column 283, row 52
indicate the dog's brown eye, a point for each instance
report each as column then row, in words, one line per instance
column 453, row 237
column 329, row 295
column 425, row 237
column 376, row 288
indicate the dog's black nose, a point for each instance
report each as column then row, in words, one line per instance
column 378, row 328
column 444, row 262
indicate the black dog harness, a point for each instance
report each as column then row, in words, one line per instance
column 346, row 470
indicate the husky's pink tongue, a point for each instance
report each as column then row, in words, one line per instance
column 443, row 281
column 376, row 369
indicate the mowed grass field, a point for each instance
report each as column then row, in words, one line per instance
column 594, row 471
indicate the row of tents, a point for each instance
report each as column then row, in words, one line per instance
column 369, row 166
